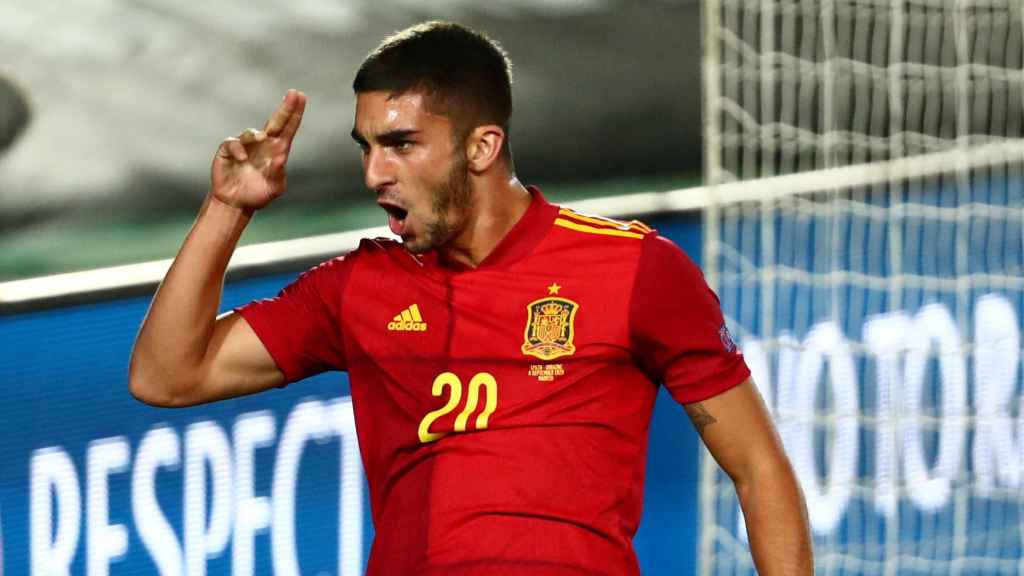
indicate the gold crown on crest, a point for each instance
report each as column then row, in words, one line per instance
column 551, row 308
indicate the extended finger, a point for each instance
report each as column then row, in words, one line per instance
column 252, row 135
column 295, row 120
column 280, row 116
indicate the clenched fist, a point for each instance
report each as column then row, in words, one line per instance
column 248, row 171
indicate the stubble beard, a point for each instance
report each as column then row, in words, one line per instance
column 449, row 203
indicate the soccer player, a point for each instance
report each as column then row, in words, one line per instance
column 504, row 357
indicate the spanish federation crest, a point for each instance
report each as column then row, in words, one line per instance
column 549, row 328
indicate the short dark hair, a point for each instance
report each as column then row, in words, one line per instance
column 464, row 75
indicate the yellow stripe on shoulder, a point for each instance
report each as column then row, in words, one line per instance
column 634, row 225
column 596, row 230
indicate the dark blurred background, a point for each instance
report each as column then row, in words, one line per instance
column 111, row 111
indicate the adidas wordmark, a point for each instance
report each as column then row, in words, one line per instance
column 409, row 320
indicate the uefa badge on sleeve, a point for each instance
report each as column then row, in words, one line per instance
column 726, row 338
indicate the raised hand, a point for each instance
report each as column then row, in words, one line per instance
column 248, row 171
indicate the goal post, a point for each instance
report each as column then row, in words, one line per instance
column 865, row 234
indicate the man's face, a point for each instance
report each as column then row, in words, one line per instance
column 412, row 162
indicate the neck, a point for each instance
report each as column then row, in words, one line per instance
column 495, row 209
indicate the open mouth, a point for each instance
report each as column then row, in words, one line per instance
column 395, row 211
column 396, row 217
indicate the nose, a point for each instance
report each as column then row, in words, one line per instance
column 376, row 172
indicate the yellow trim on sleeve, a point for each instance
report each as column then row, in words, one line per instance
column 593, row 230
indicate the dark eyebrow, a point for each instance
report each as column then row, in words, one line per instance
column 395, row 136
column 389, row 138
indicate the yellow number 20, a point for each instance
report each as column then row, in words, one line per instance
column 451, row 381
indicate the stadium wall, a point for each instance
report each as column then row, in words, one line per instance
column 94, row 482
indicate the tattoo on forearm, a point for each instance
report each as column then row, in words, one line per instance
column 700, row 417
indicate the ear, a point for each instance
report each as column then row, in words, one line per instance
column 483, row 147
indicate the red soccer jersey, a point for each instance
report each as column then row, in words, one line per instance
column 503, row 411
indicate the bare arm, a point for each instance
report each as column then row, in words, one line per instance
column 184, row 354
column 739, row 433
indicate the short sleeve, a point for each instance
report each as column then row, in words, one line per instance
column 677, row 331
column 301, row 326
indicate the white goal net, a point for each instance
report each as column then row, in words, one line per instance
column 866, row 238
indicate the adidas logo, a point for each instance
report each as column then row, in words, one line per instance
column 408, row 321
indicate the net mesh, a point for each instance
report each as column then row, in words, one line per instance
column 809, row 84
column 876, row 290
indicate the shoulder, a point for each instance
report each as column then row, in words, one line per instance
column 369, row 252
column 663, row 263
column 639, row 240
column 373, row 260
column 626, row 246
column 659, row 251
column 337, row 270
column 599, row 239
column 374, row 247
column 593, row 227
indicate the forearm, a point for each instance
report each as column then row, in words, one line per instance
column 176, row 333
column 776, row 518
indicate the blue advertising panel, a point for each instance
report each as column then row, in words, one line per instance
column 94, row 482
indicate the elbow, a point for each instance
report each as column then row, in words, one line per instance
column 143, row 390
column 143, row 393
column 153, row 388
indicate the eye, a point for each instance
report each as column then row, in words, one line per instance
column 403, row 146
